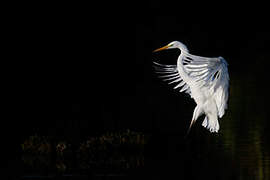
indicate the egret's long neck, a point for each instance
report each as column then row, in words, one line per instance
column 182, row 47
column 180, row 65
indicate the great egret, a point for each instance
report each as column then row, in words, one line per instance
column 205, row 79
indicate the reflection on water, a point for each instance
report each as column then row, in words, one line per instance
column 243, row 129
column 109, row 153
column 240, row 150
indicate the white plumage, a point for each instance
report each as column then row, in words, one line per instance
column 205, row 79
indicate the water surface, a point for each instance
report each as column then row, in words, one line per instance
column 240, row 150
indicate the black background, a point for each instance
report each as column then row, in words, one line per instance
column 68, row 63
column 75, row 72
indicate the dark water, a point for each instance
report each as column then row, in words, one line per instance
column 240, row 150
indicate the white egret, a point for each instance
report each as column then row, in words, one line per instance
column 205, row 79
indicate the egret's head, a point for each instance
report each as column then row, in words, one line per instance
column 172, row 45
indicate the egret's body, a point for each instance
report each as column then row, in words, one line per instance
column 205, row 79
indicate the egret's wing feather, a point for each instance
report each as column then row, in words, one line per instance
column 169, row 73
column 211, row 73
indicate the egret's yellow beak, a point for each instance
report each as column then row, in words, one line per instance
column 162, row 48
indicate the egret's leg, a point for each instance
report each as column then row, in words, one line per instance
column 197, row 112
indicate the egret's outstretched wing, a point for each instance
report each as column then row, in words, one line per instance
column 169, row 73
column 211, row 73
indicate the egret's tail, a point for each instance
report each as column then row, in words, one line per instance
column 211, row 123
